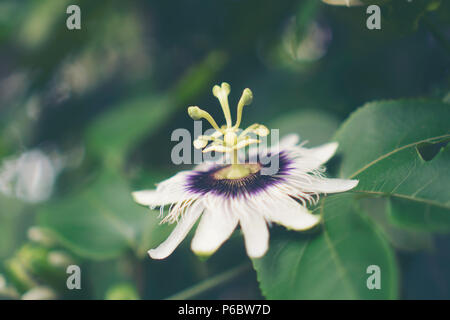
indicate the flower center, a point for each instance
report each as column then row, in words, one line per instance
column 225, row 139
column 223, row 180
column 237, row 171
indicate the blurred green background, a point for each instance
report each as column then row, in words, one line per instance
column 86, row 117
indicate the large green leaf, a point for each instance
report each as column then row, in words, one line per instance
column 315, row 126
column 117, row 132
column 399, row 237
column 381, row 145
column 420, row 216
column 102, row 221
column 431, row 211
column 332, row 264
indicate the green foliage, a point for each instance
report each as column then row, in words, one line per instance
column 406, row 16
column 9, row 216
column 102, row 221
column 32, row 265
column 419, row 215
column 400, row 238
column 133, row 119
column 142, row 115
column 379, row 146
column 331, row 264
column 122, row 291
column 314, row 126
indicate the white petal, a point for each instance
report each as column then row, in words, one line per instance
column 184, row 225
column 324, row 152
column 169, row 191
column 325, row 185
column 256, row 234
column 289, row 141
column 214, row 228
column 277, row 206
column 293, row 215
column 173, row 182
column 204, row 166
column 152, row 198
column 297, row 219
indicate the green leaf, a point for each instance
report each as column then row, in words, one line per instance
column 102, row 221
column 420, row 216
column 32, row 264
column 380, row 145
column 399, row 237
column 332, row 264
column 118, row 131
column 315, row 126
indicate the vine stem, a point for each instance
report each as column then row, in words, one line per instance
column 210, row 283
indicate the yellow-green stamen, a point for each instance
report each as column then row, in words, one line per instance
column 230, row 142
column 196, row 113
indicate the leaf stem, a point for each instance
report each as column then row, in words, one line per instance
column 210, row 283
